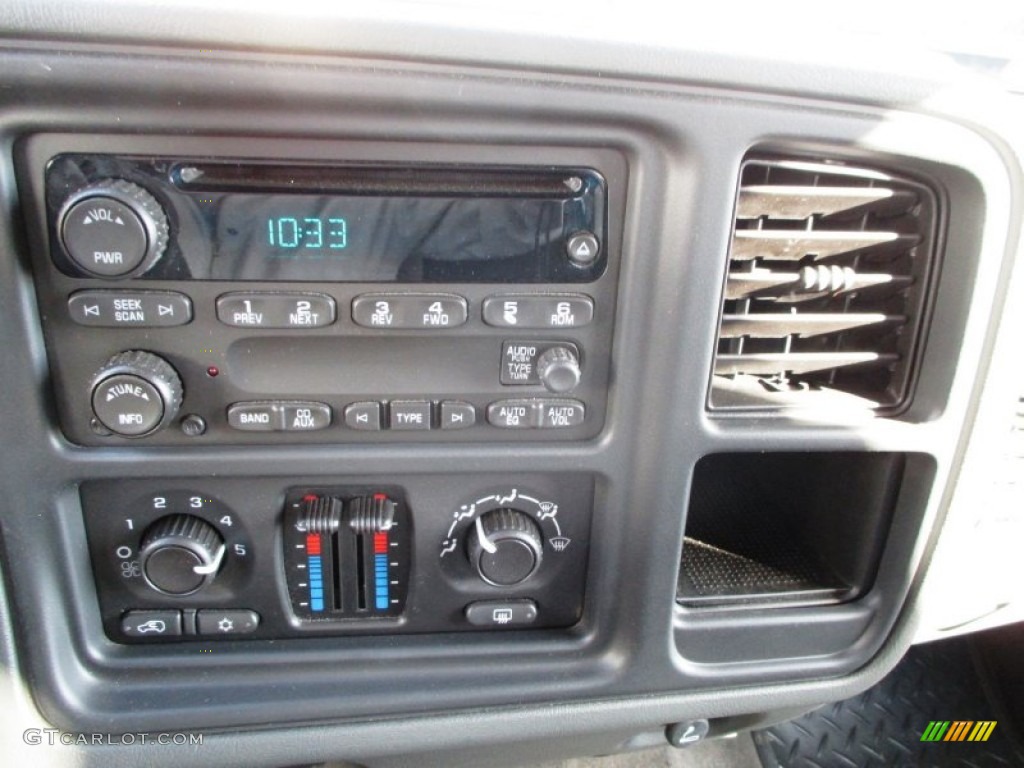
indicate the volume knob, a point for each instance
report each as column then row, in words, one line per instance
column 136, row 393
column 113, row 229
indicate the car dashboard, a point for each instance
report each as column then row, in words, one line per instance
column 431, row 384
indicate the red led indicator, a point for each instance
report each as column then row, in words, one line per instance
column 213, row 371
column 312, row 543
column 380, row 543
column 379, row 496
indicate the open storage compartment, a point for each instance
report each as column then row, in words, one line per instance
column 786, row 527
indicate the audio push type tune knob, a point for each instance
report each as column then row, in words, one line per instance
column 113, row 229
column 505, row 547
column 136, row 393
column 180, row 554
column 558, row 369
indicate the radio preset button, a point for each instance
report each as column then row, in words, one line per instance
column 410, row 414
column 456, row 414
column 572, row 311
column 536, row 414
column 409, row 311
column 116, row 309
column 364, row 416
column 276, row 310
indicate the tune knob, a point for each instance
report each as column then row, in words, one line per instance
column 136, row 393
column 180, row 554
column 505, row 547
column 558, row 369
column 113, row 229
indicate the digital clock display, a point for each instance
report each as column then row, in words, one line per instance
column 381, row 239
column 309, row 233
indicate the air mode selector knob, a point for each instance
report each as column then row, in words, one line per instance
column 505, row 547
column 180, row 554
column 136, row 393
column 113, row 229
column 558, row 369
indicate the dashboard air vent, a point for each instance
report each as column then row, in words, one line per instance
column 829, row 271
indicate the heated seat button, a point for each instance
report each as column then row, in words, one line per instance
column 214, row 621
column 151, row 624
column 501, row 613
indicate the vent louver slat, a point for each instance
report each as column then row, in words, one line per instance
column 829, row 269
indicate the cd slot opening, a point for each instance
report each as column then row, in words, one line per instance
column 398, row 181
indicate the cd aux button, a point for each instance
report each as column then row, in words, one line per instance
column 276, row 310
column 569, row 311
column 409, row 311
column 279, row 416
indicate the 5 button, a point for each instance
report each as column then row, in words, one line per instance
column 559, row 311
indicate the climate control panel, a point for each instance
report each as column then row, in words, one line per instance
column 261, row 558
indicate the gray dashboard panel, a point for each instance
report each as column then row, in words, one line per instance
column 683, row 150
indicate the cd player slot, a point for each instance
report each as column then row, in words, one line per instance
column 431, row 182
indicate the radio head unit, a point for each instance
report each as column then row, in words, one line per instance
column 207, row 291
column 264, row 221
